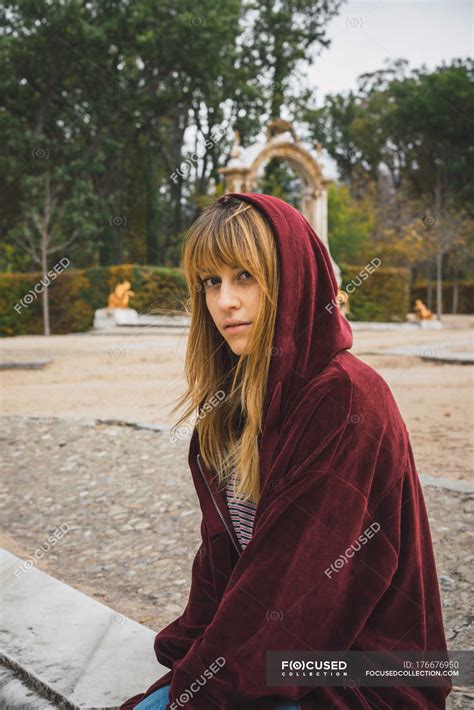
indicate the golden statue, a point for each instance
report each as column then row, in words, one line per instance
column 120, row 297
column 343, row 302
column 422, row 312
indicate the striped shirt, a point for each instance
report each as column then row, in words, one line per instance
column 242, row 513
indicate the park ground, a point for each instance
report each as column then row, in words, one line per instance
column 137, row 376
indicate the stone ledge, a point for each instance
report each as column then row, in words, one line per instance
column 18, row 691
column 434, row 352
column 449, row 484
column 24, row 365
column 67, row 648
column 388, row 325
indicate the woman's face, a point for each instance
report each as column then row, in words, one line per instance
column 232, row 294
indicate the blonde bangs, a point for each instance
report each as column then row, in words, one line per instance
column 227, row 240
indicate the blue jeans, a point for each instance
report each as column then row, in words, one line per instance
column 160, row 698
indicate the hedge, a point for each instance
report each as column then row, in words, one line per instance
column 465, row 295
column 74, row 296
column 383, row 295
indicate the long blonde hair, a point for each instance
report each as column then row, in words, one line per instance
column 226, row 390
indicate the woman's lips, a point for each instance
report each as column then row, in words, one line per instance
column 237, row 328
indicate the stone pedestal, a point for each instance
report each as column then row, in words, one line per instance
column 430, row 324
column 110, row 317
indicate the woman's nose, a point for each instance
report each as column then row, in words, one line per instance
column 227, row 295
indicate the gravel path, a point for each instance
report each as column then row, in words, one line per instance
column 133, row 516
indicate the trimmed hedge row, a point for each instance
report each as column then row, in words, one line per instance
column 75, row 295
column 465, row 295
column 376, row 294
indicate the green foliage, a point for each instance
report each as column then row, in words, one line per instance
column 98, row 96
column 350, row 226
column 416, row 123
column 280, row 181
column 283, row 34
column 382, row 296
column 28, row 320
column 75, row 295
column 403, row 142
column 465, row 296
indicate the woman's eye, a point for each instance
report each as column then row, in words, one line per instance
column 207, row 284
column 209, row 278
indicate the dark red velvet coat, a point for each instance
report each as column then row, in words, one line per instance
column 335, row 457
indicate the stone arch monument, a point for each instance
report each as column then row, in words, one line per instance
column 241, row 173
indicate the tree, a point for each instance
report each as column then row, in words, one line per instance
column 282, row 36
column 54, row 208
column 413, row 127
column 139, row 90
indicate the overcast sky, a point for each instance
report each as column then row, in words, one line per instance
column 366, row 32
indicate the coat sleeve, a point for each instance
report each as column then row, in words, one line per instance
column 174, row 641
column 290, row 589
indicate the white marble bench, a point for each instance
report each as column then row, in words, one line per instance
column 60, row 648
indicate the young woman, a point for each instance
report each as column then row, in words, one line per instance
column 314, row 531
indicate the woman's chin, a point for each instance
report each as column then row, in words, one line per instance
column 238, row 347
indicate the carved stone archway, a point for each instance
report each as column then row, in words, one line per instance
column 241, row 173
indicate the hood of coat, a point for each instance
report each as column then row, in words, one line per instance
column 309, row 332
column 309, row 329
